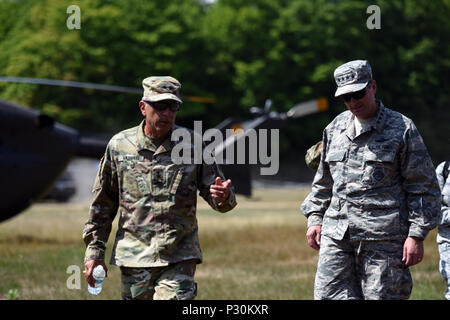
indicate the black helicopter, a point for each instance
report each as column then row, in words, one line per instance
column 28, row 141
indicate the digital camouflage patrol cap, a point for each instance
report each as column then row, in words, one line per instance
column 352, row 76
column 160, row 88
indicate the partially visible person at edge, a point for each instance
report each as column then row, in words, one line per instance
column 443, row 237
column 156, row 245
column 312, row 156
column 374, row 196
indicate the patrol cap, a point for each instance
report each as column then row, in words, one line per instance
column 352, row 76
column 158, row 88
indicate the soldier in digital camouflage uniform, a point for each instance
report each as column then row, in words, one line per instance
column 156, row 246
column 443, row 237
column 374, row 197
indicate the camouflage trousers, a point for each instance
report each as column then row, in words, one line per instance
column 444, row 265
column 370, row 270
column 174, row 282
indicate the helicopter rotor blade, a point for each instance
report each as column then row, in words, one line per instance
column 95, row 86
column 74, row 84
column 199, row 99
column 308, row 107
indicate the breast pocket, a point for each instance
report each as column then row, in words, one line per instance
column 135, row 180
column 335, row 160
column 379, row 167
column 166, row 179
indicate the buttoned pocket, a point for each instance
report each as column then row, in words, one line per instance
column 165, row 179
column 333, row 211
column 135, row 177
column 335, row 203
column 379, row 167
column 335, row 156
column 335, row 160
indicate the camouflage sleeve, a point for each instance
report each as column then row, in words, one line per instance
column 103, row 209
column 317, row 202
column 420, row 184
column 206, row 177
column 312, row 156
column 444, row 219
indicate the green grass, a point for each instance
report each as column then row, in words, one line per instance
column 257, row 251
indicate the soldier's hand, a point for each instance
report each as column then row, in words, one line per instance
column 89, row 268
column 313, row 235
column 412, row 251
column 220, row 191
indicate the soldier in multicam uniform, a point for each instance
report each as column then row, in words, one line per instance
column 156, row 246
column 374, row 197
column 312, row 156
column 443, row 237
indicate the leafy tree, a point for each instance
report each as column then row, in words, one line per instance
column 120, row 43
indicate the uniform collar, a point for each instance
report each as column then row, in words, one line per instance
column 380, row 118
column 145, row 143
column 377, row 123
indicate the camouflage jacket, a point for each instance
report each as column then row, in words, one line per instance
column 444, row 220
column 156, row 200
column 379, row 185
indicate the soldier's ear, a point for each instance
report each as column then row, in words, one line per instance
column 374, row 86
column 142, row 107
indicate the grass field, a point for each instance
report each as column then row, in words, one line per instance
column 257, row 251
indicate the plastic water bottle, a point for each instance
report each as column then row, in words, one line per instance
column 99, row 275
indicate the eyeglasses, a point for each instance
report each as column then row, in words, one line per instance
column 355, row 95
column 163, row 105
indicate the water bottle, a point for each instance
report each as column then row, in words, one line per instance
column 99, row 276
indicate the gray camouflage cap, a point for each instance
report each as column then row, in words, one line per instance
column 352, row 76
column 160, row 88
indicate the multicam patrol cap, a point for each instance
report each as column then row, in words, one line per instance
column 160, row 88
column 352, row 76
